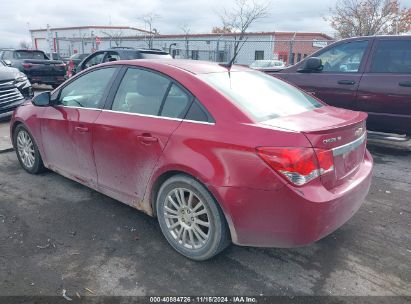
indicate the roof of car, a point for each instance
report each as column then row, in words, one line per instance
column 192, row 66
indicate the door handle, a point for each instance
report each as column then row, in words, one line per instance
column 147, row 138
column 81, row 129
column 347, row 82
column 405, row 84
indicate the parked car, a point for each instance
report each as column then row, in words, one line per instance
column 120, row 53
column 15, row 88
column 73, row 62
column 217, row 155
column 268, row 66
column 36, row 65
column 370, row 74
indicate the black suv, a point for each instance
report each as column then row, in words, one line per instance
column 15, row 88
column 120, row 53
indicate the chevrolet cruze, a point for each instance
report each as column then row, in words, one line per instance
column 217, row 154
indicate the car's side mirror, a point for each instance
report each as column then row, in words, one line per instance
column 312, row 64
column 7, row 62
column 42, row 100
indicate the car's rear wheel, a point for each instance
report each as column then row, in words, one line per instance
column 190, row 218
column 27, row 151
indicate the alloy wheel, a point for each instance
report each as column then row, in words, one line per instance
column 25, row 148
column 187, row 218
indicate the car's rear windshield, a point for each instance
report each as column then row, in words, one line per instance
column 30, row 55
column 260, row 95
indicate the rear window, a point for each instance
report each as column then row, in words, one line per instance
column 263, row 97
column 30, row 55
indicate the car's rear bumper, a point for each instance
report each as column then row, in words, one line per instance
column 291, row 216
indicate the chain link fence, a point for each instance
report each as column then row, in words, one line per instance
column 217, row 50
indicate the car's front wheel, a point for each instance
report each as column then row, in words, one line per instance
column 27, row 151
column 190, row 218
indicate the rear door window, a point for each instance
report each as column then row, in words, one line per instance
column 392, row 56
column 176, row 103
column 141, row 92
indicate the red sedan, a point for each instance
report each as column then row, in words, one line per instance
column 216, row 155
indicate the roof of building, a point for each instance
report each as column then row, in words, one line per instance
column 105, row 27
column 278, row 34
column 285, row 35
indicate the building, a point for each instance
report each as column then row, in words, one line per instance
column 289, row 47
column 80, row 39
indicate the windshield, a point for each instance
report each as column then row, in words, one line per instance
column 263, row 97
column 30, row 55
column 266, row 63
column 155, row 55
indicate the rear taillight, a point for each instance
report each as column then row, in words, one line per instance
column 27, row 65
column 298, row 165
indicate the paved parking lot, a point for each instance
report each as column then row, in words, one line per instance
column 56, row 234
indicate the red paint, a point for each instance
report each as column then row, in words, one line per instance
column 123, row 155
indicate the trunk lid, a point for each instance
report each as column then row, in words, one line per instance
column 342, row 131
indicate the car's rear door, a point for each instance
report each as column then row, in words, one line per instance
column 67, row 127
column 385, row 88
column 131, row 134
column 338, row 82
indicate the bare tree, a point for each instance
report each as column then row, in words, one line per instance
column 186, row 30
column 239, row 18
column 117, row 37
column 369, row 17
column 24, row 44
column 148, row 20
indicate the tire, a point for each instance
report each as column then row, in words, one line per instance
column 186, row 216
column 25, row 145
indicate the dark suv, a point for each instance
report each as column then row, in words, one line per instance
column 370, row 74
column 120, row 53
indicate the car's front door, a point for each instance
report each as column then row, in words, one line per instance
column 385, row 88
column 338, row 82
column 67, row 126
column 130, row 136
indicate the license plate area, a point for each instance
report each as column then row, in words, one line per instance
column 347, row 158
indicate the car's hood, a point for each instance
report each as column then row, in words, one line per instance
column 8, row 73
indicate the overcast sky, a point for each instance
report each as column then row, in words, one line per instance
column 17, row 16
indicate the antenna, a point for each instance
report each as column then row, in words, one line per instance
column 229, row 64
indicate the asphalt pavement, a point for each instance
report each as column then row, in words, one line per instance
column 56, row 235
